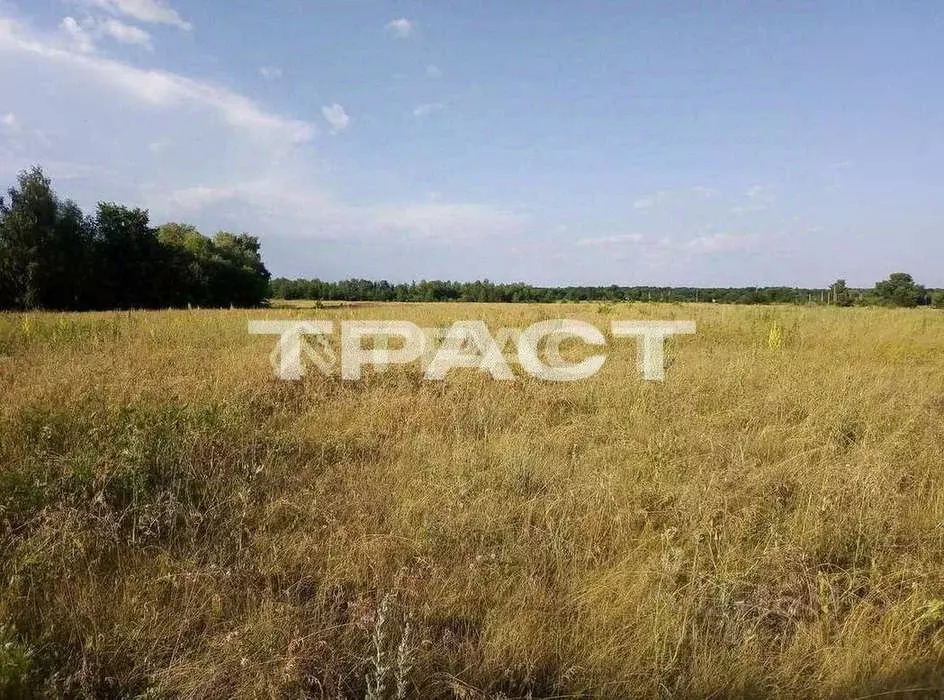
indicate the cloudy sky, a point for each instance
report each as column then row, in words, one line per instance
column 544, row 141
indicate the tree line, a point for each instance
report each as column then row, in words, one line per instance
column 898, row 290
column 54, row 256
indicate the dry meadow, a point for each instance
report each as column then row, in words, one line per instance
column 767, row 522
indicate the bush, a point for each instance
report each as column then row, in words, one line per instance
column 15, row 664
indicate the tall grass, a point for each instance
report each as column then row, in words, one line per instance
column 767, row 522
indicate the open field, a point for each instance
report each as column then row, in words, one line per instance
column 769, row 521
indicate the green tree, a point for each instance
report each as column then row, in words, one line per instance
column 237, row 273
column 129, row 258
column 26, row 233
column 54, row 256
column 840, row 294
column 900, row 290
column 187, row 256
column 45, row 247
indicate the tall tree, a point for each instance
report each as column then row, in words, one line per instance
column 45, row 247
column 900, row 290
column 186, row 256
column 841, row 296
column 27, row 236
column 238, row 273
column 53, row 256
column 129, row 258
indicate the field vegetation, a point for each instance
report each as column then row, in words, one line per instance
column 769, row 521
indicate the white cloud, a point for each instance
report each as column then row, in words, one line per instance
column 433, row 71
column 79, row 36
column 151, row 11
column 757, row 198
column 154, row 87
column 650, row 201
column 82, row 35
column 125, row 33
column 443, row 220
column 309, row 211
column 200, row 196
column 336, row 117
column 709, row 243
column 751, row 208
column 427, row 109
column 186, row 149
column 270, row 72
column 721, row 243
column 401, row 27
column 9, row 120
column 705, row 192
column 699, row 195
column 607, row 241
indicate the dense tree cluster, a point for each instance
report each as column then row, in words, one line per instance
column 54, row 256
column 899, row 290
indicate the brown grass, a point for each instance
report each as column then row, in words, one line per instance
column 767, row 522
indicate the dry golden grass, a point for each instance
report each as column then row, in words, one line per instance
column 769, row 521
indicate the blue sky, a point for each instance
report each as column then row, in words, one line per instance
column 551, row 142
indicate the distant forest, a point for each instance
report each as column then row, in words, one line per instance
column 898, row 290
column 54, row 256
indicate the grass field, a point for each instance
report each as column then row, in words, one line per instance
column 769, row 521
